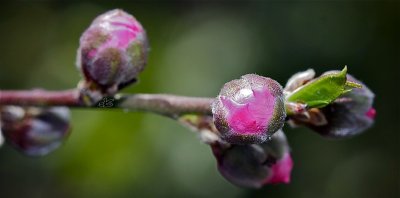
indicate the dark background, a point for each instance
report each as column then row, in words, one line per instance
column 195, row 48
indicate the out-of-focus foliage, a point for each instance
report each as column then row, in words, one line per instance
column 195, row 49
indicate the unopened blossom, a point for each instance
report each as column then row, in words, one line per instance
column 249, row 110
column 351, row 114
column 347, row 116
column 255, row 165
column 112, row 51
column 35, row 131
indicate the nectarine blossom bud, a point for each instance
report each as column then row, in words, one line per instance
column 35, row 131
column 249, row 110
column 257, row 164
column 112, row 51
column 349, row 115
column 1, row 137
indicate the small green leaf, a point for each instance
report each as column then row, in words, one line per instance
column 324, row 90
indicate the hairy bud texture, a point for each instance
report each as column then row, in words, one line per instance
column 257, row 164
column 112, row 51
column 249, row 110
column 35, row 131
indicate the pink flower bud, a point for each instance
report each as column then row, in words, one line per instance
column 112, row 51
column 257, row 164
column 249, row 110
column 35, row 131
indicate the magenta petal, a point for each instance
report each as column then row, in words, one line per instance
column 254, row 115
column 371, row 113
column 281, row 171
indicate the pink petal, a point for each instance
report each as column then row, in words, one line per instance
column 281, row 171
column 371, row 113
column 254, row 115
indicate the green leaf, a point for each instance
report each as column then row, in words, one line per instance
column 324, row 90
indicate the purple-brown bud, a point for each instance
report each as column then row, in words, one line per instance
column 249, row 110
column 35, row 131
column 349, row 115
column 257, row 164
column 112, row 51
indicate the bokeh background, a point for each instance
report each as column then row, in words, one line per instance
column 196, row 48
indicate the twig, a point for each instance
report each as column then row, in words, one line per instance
column 164, row 104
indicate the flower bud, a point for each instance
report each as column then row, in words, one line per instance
column 1, row 137
column 35, row 131
column 112, row 51
column 249, row 110
column 257, row 164
column 349, row 115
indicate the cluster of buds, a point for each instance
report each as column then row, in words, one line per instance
column 250, row 112
column 245, row 130
column 112, row 53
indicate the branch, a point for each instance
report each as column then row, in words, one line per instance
column 164, row 104
column 40, row 98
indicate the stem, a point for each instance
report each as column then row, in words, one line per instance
column 40, row 98
column 168, row 105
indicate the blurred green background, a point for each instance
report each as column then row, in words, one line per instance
column 196, row 48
